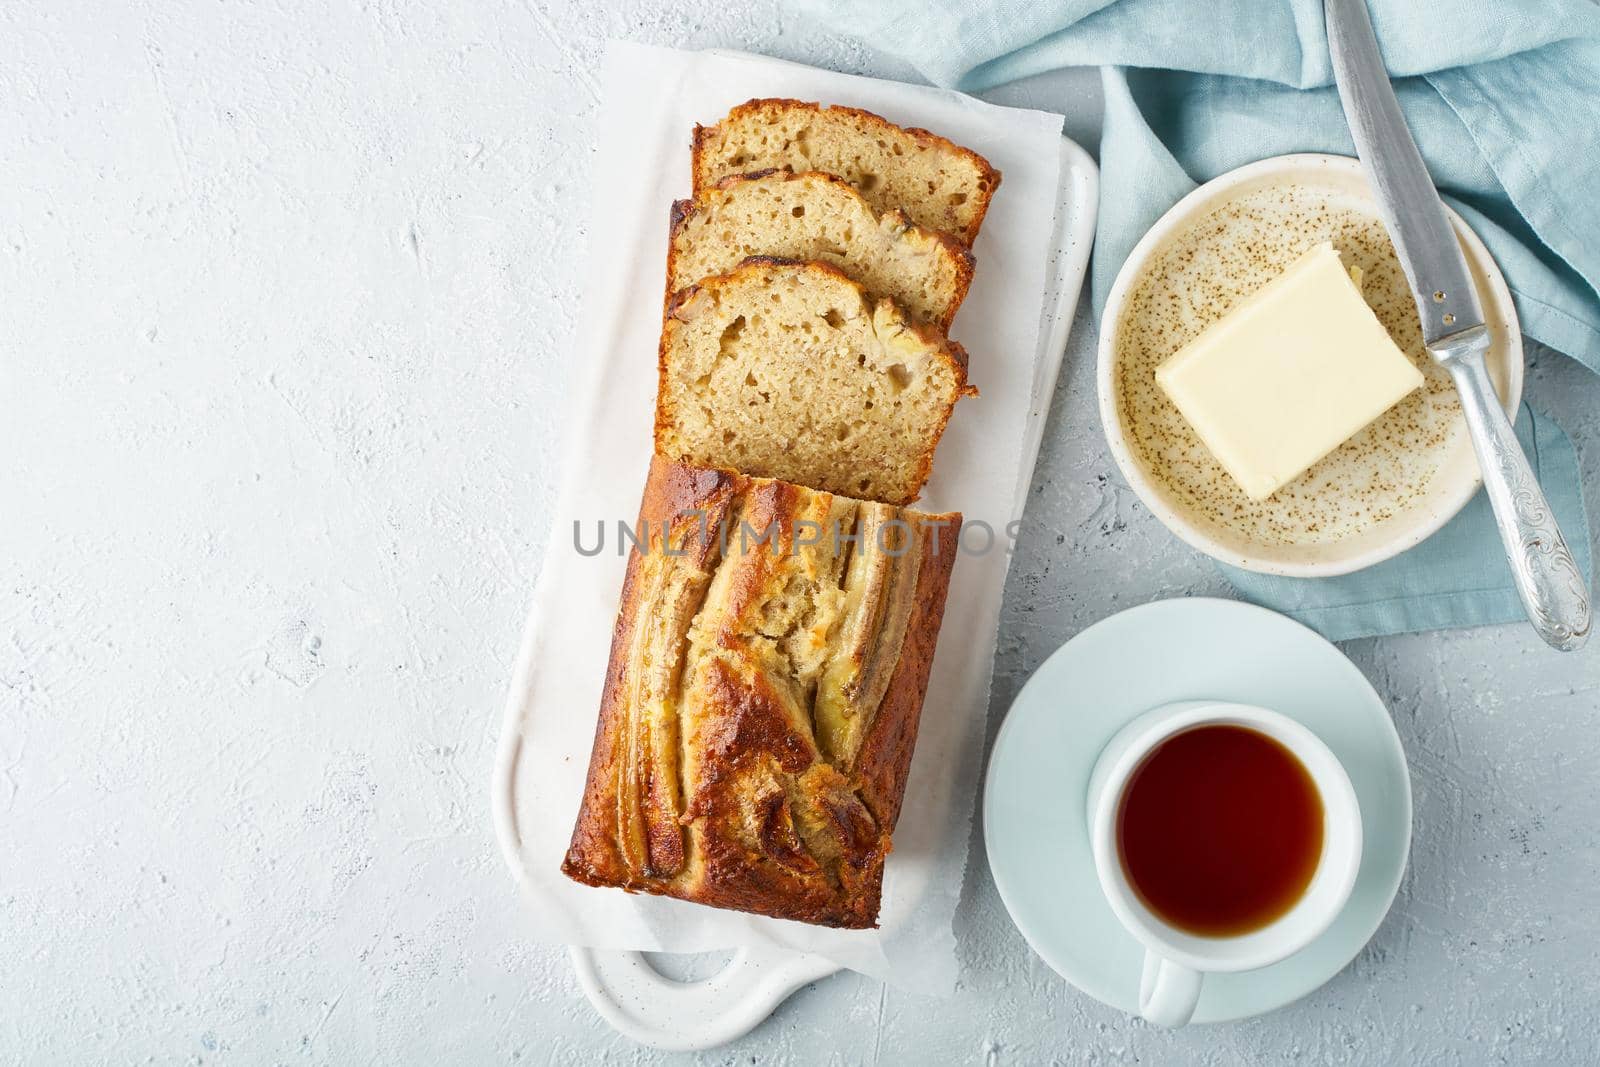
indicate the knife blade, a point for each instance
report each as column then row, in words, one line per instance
column 1407, row 200
column 1552, row 589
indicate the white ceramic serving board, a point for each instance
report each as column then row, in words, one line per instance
column 624, row 988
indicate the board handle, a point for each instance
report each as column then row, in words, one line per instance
column 641, row 1003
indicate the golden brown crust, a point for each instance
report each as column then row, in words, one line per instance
column 706, row 173
column 952, row 352
column 769, row 825
column 961, row 259
column 885, row 759
column 672, row 490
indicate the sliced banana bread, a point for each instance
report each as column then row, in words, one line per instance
column 788, row 370
column 816, row 216
column 938, row 184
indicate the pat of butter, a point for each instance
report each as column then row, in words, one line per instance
column 1289, row 375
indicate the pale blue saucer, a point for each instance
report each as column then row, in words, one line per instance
column 1033, row 803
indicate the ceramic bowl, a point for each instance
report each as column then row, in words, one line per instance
column 1456, row 478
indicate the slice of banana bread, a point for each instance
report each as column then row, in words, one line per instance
column 821, row 217
column 938, row 184
column 788, row 370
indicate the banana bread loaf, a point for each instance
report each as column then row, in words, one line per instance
column 814, row 216
column 940, row 185
column 767, row 673
column 787, row 370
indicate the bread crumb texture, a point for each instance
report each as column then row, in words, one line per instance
column 788, row 370
column 821, row 217
column 938, row 184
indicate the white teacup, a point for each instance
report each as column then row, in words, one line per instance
column 1176, row 960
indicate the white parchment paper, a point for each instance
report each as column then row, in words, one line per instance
column 652, row 99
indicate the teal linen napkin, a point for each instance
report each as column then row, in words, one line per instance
column 1505, row 107
column 1453, row 579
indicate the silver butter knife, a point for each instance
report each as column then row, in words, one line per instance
column 1552, row 589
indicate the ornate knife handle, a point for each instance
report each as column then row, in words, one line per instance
column 1548, row 580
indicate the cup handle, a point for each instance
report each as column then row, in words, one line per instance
column 1168, row 992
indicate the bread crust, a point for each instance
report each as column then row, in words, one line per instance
column 952, row 351
column 960, row 256
column 705, row 174
column 768, row 824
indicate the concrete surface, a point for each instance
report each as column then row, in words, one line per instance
column 284, row 294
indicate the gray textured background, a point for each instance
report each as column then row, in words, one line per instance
column 285, row 294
